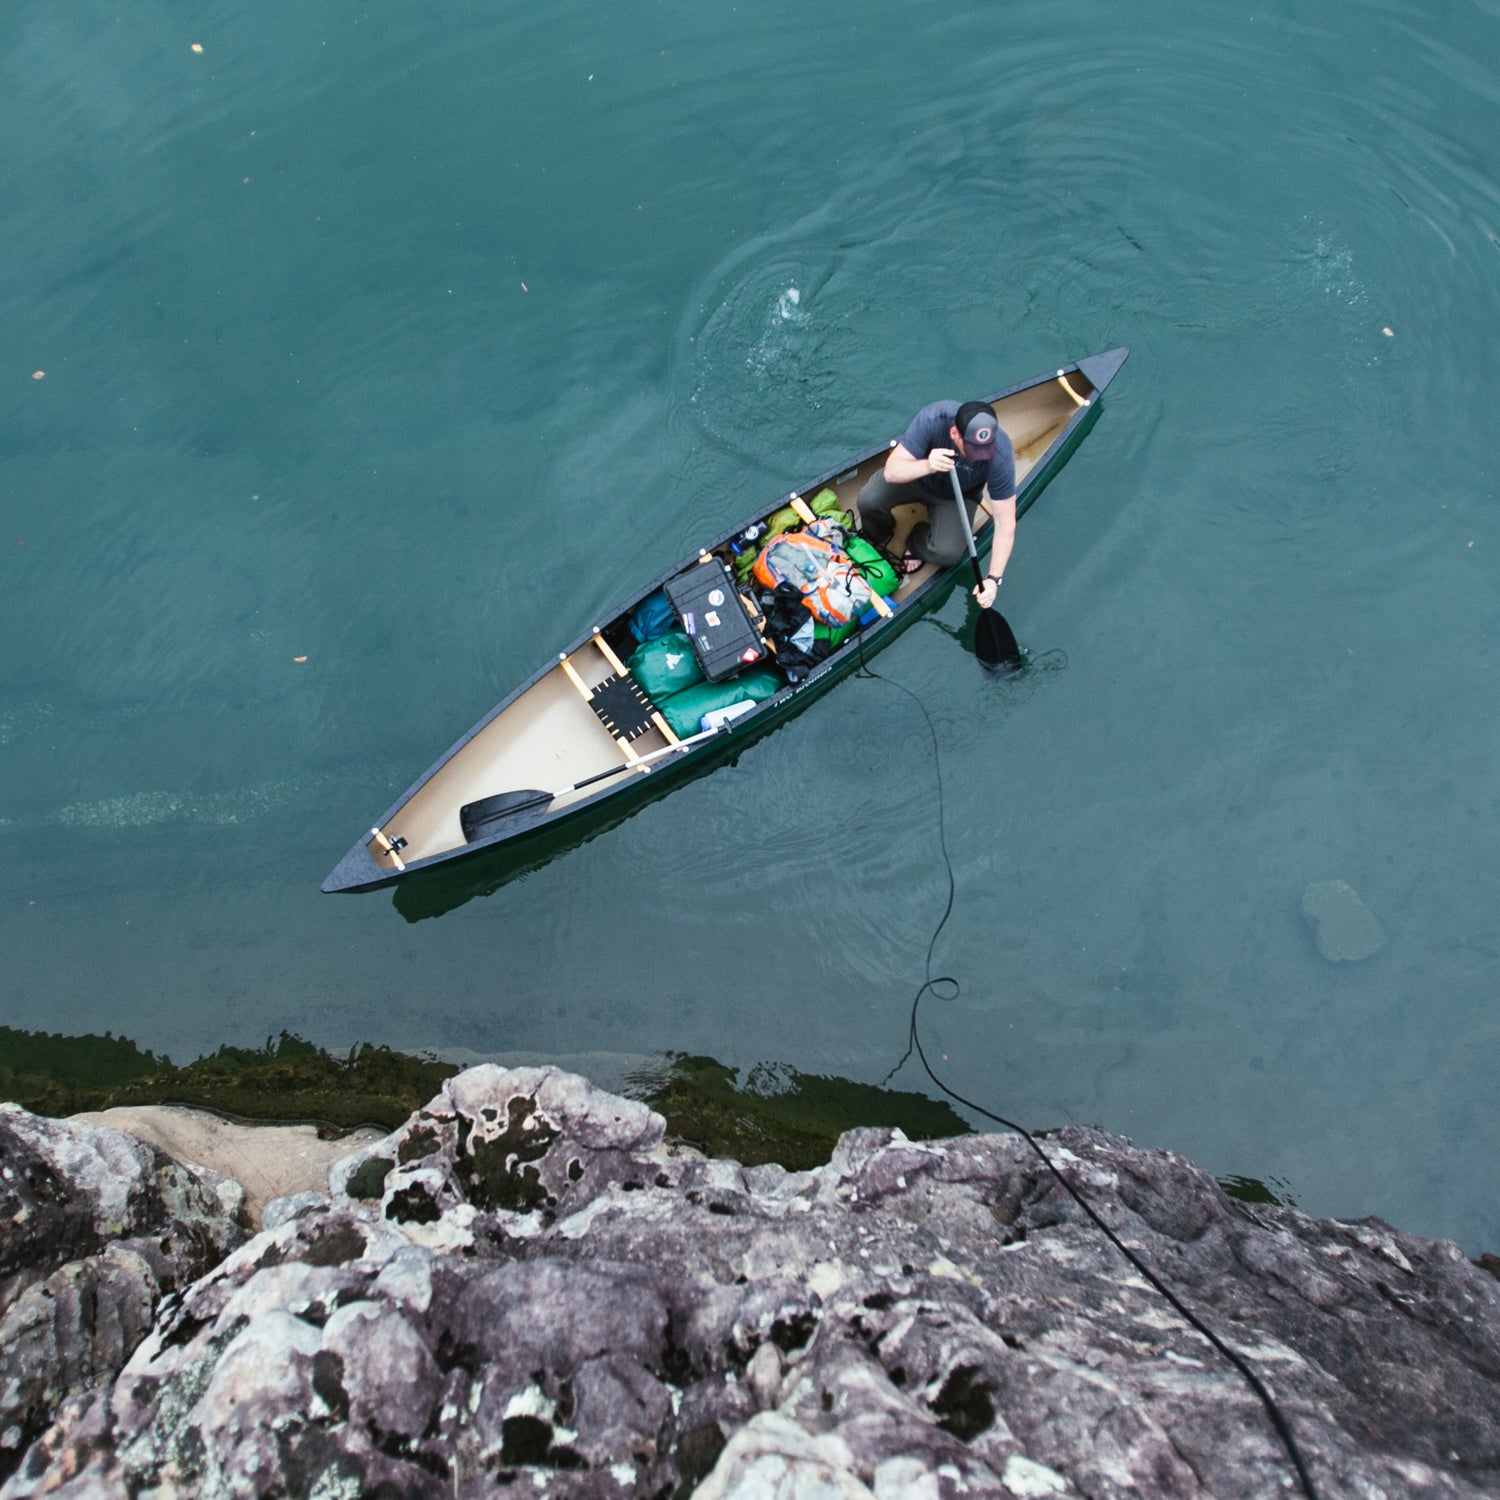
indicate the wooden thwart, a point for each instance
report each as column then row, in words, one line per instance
column 1078, row 400
column 386, row 847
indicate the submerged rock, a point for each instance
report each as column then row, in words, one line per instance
column 527, row 1289
column 1345, row 928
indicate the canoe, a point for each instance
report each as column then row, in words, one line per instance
column 580, row 739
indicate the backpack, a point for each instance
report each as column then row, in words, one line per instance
column 831, row 586
column 824, row 503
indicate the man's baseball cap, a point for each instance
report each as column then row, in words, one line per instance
column 979, row 434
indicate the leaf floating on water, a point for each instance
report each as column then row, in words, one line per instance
column 299, row 658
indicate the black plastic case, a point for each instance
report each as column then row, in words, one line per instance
column 709, row 606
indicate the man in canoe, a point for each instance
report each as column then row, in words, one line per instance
column 942, row 438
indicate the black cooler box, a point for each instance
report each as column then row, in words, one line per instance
column 724, row 637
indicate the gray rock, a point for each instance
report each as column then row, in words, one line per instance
column 279, row 1210
column 526, row 1290
column 95, row 1229
column 1345, row 928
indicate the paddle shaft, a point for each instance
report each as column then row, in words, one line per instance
column 644, row 760
column 963, row 516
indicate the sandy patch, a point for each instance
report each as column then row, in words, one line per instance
column 268, row 1161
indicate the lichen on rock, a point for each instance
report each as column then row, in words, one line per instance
column 527, row 1289
column 96, row 1228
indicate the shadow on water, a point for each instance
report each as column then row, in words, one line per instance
column 434, row 893
column 776, row 1114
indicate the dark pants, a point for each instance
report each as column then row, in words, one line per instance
column 939, row 539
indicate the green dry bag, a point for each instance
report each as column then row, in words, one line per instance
column 879, row 572
column 684, row 711
column 665, row 666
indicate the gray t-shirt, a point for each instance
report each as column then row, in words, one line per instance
column 929, row 430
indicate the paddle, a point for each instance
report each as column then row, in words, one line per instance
column 518, row 810
column 994, row 641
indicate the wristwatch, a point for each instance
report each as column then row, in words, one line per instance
column 992, row 578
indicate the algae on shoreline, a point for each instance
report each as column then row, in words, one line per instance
column 776, row 1115
column 779, row 1114
column 286, row 1080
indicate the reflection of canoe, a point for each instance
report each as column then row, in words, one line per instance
column 579, row 736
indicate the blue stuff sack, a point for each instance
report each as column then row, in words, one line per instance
column 653, row 617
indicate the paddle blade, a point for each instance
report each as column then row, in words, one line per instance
column 995, row 643
column 505, row 812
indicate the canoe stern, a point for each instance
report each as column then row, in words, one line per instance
column 1102, row 368
column 356, row 871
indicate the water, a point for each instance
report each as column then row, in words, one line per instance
column 407, row 341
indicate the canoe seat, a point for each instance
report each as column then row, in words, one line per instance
column 621, row 704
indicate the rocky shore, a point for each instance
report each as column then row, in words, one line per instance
column 526, row 1290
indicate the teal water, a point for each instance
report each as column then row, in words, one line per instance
column 408, row 340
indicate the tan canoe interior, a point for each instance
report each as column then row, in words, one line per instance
column 551, row 738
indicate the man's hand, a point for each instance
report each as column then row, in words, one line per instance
column 941, row 461
column 987, row 592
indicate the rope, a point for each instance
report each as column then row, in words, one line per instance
column 947, row 988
